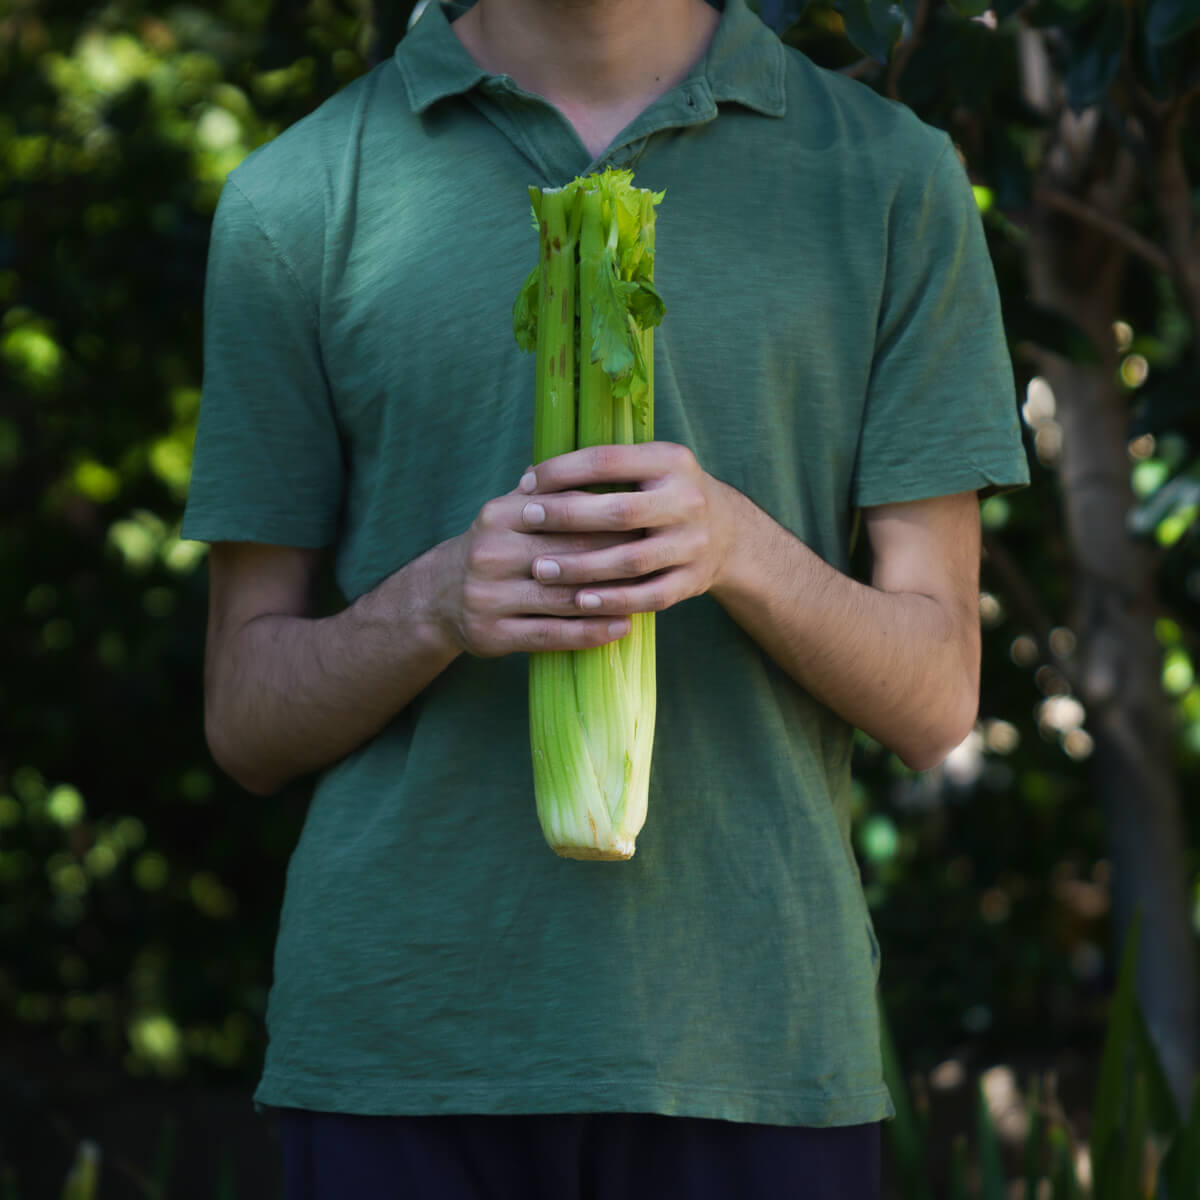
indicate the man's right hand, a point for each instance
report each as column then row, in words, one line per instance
column 287, row 693
column 489, row 602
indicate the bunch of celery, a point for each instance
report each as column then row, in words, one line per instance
column 589, row 309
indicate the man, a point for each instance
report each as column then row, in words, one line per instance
column 455, row 1011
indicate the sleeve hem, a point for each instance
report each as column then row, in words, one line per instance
column 971, row 479
column 267, row 528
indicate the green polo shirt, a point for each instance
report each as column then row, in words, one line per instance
column 832, row 341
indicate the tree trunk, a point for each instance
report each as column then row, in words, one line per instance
column 1075, row 269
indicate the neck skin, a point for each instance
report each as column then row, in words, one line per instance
column 600, row 62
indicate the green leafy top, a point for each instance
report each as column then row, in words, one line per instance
column 621, row 272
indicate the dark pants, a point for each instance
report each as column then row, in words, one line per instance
column 609, row 1156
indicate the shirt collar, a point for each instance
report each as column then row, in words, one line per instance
column 744, row 63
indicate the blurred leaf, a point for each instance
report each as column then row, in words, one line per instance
column 1180, row 1170
column 1109, row 1111
column 1096, row 54
column 1167, row 20
column 164, row 1157
column 904, row 1130
column 1169, row 66
column 874, row 26
column 960, row 1187
column 970, row 8
column 82, row 1181
column 1065, row 13
column 226, row 1177
column 1179, row 494
column 1064, row 1181
column 1033, row 1138
column 1133, row 1142
column 991, row 1165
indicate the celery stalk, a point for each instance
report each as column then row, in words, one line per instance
column 552, row 675
column 588, row 310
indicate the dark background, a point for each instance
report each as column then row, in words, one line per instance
column 139, row 889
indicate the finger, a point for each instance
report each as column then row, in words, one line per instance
column 582, row 543
column 534, row 634
column 506, row 513
column 629, row 464
column 573, row 512
column 655, row 594
column 627, row 560
column 526, row 597
column 506, row 554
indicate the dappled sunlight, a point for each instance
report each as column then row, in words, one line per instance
column 1039, row 412
column 139, row 887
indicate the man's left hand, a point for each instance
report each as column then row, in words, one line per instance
column 687, row 516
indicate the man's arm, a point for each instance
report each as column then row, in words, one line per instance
column 898, row 658
column 286, row 693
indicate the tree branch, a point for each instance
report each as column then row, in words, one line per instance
column 859, row 69
column 904, row 51
column 1143, row 247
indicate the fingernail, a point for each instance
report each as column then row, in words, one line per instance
column 528, row 482
column 618, row 628
column 589, row 600
column 534, row 514
column 548, row 569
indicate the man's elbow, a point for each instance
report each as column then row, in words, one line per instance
column 228, row 752
column 934, row 740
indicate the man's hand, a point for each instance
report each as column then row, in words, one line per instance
column 677, row 522
column 898, row 658
column 489, row 602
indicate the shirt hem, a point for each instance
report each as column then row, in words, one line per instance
column 981, row 480
column 370, row 1098
column 217, row 527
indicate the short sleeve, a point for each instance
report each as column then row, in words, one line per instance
column 941, row 413
column 268, row 463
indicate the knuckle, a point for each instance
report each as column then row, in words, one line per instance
column 490, row 515
column 680, row 457
column 606, row 458
column 480, row 557
column 540, row 636
column 476, row 599
column 597, row 634
column 554, row 599
column 695, row 503
column 637, row 561
column 624, row 510
column 697, row 544
column 474, row 638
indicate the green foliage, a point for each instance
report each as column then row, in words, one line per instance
column 1138, row 1146
column 139, row 890
column 1006, row 851
column 136, row 891
column 82, row 1181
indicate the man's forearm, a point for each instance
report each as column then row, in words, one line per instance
column 899, row 659
column 286, row 694
column 896, row 664
column 291, row 694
